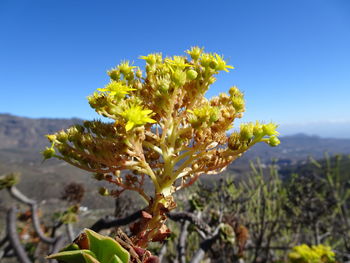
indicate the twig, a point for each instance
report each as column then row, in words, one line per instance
column 70, row 232
column 181, row 246
column 3, row 241
column 205, row 245
column 162, row 251
column 192, row 218
column 105, row 223
column 13, row 237
column 59, row 244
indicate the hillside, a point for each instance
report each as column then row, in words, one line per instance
column 22, row 139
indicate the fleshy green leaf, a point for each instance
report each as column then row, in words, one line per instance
column 70, row 247
column 90, row 259
column 106, row 248
column 75, row 256
column 116, row 259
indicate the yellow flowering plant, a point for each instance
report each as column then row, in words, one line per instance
column 163, row 128
column 311, row 254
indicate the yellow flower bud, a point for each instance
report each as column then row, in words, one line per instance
column 139, row 73
column 62, row 136
column 258, row 130
column 103, row 191
column 114, row 74
column 274, row 141
column 179, row 77
column 51, row 137
column 125, row 68
column 233, row 141
column 195, row 53
column 48, row 153
column 270, row 129
column 238, row 103
column 191, row 74
column 246, row 132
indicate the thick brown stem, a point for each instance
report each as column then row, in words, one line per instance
column 151, row 226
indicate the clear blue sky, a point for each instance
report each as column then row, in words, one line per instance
column 291, row 57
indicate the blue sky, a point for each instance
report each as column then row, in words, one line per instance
column 291, row 57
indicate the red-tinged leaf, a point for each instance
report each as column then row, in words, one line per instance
column 146, row 215
column 152, row 259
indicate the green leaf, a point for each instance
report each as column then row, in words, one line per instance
column 75, row 256
column 106, row 249
column 90, row 259
column 115, row 259
column 70, row 247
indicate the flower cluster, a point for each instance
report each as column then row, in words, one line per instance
column 313, row 254
column 163, row 128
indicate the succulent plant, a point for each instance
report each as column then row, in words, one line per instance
column 162, row 128
column 93, row 248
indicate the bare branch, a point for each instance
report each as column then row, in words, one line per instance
column 13, row 237
column 59, row 244
column 15, row 193
column 192, row 218
column 181, row 246
column 204, row 247
column 107, row 222
column 162, row 251
column 70, row 232
column 3, row 241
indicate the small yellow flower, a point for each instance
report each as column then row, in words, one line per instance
column 117, row 89
column 195, row 52
column 177, row 62
column 152, row 59
column 221, row 63
column 137, row 116
column 313, row 254
column 270, row 129
column 125, row 68
column 205, row 114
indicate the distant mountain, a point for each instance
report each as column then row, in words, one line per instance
column 22, row 139
column 325, row 129
column 300, row 146
column 20, row 132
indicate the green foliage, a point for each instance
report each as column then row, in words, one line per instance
column 227, row 233
column 279, row 213
column 101, row 249
column 313, row 254
column 8, row 180
column 70, row 215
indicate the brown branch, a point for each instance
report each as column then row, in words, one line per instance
column 107, row 222
column 13, row 237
